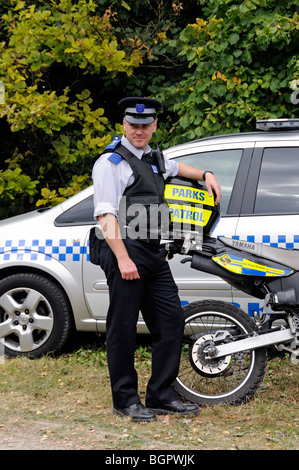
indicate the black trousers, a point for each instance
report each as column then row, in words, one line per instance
column 155, row 294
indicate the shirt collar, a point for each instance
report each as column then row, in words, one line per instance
column 137, row 152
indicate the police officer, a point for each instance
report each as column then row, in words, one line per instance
column 138, row 276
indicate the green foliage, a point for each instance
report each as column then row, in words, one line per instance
column 242, row 60
column 65, row 126
column 65, row 65
column 15, row 186
column 50, row 197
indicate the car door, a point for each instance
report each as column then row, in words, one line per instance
column 270, row 209
column 94, row 283
column 229, row 162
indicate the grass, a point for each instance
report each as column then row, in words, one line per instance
column 65, row 403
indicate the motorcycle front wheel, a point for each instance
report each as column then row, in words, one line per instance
column 232, row 379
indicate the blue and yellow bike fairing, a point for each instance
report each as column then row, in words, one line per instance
column 247, row 267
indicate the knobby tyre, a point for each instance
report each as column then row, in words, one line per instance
column 232, row 379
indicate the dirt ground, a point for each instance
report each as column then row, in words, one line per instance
column 64, row 403
column 39, row 434
column 43, row 435
column 15, row 436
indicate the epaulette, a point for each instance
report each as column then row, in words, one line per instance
column 113, row 144
column 115, row 158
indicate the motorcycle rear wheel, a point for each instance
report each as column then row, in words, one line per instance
column 232, row 379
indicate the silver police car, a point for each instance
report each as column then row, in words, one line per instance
column 48, row 286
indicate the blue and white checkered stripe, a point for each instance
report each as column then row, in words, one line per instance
column 47, row 249
column 66, row 250
column 289, row 242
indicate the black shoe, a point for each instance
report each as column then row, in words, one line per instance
column 138, row 412
column 175, row 407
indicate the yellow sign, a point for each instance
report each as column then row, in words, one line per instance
column 180, row 213
column 187, row 194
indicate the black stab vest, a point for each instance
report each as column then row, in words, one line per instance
column 142, row 209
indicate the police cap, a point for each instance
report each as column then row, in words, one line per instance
column 140, row 110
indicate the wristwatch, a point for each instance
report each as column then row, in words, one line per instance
column 204, row 174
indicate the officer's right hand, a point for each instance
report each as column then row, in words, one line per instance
column 128, row 269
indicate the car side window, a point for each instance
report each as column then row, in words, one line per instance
column 277, row 191
column 80, row 214
column 223, row 163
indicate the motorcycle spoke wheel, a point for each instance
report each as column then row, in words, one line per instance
column 231, row 379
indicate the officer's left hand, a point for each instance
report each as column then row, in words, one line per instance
column 212, row 184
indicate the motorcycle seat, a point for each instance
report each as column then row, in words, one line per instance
column 283, row 256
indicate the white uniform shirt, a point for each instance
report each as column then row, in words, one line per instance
column 111, row 180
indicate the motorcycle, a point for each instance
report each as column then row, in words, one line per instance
column 225, row 351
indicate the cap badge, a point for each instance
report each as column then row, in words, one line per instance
column 140, row 108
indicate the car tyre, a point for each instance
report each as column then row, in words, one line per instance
column 35, row 315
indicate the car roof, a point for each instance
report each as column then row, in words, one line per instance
column 257, row 136
column 172, row 152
